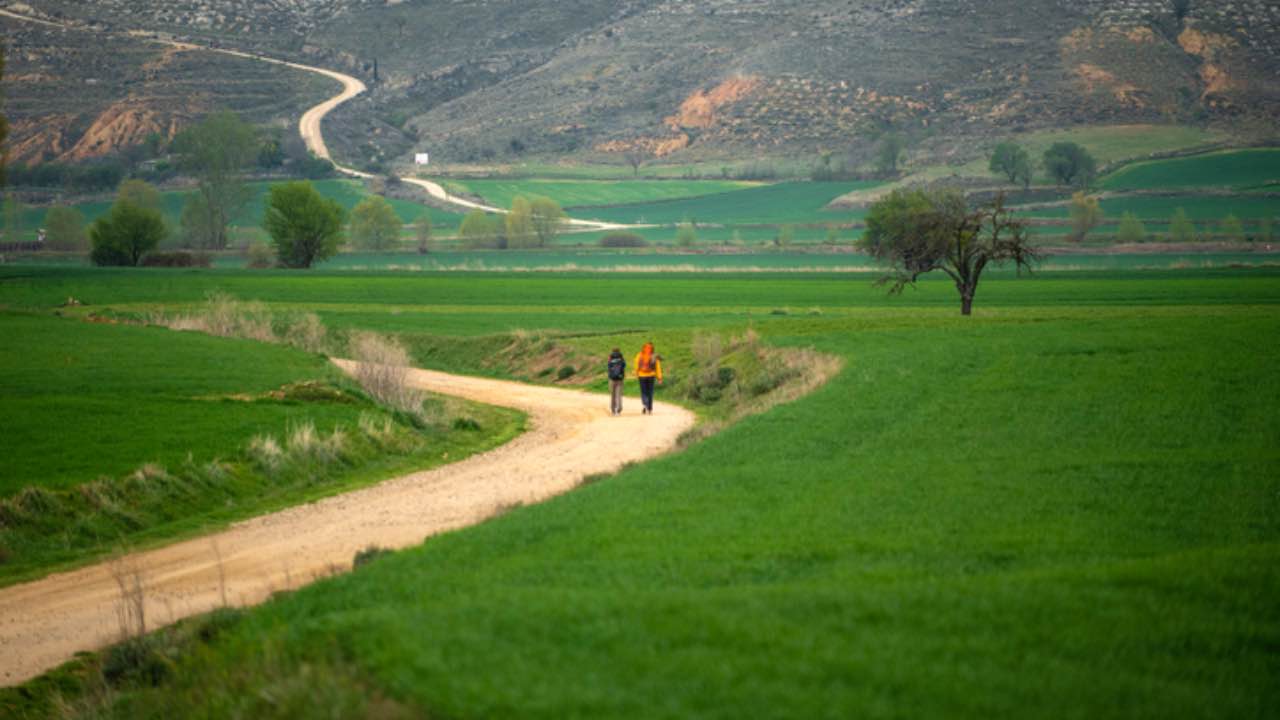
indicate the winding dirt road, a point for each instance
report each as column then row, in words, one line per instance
column 43, row 623
column 310, row 125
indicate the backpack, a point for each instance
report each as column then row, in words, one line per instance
column 617, row 368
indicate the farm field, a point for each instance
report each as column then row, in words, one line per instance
column 582, row 193
column 792, row 202
column 1237, row 169
column 1200, row 208
column 117, row 435
column 1086, row 519
column 758, row 260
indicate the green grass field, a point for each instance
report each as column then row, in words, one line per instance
column 1237, row 170
column 83, row 399
column 1067, row 504
column 796, row 202
column 1203, row 208
column 584, row 193
column 117, row 435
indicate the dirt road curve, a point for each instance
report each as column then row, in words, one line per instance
column 571, row 435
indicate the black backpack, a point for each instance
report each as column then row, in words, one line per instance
column 617, row 368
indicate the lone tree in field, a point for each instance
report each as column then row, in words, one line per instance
column 216, row 152
column 374, row 224
column 1013, row 162
column 305, row 226
column 635, row 159
column 1070, row 164
column 917, row 231
column 125, row 234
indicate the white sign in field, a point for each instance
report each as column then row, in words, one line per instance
column 421, row 159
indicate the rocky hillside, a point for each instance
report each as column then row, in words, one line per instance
column 497, row 79
column 78, row 94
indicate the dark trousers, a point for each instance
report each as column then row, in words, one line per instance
column 646, row 393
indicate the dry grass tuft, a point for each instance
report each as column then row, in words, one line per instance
column 225, row 316
column 307, row 332
column 266, row 453
column 384, row 371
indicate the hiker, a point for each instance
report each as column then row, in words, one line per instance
column 617, row 371
column 648, row 368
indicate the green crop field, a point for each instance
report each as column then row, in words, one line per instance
column 795, row 202
column 580, row 193
column 159, row 422
column 1202, row 208
column 806, row 260
column 83, row 399
column 1069, row 502
column 1236, row 169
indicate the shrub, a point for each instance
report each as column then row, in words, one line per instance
column 565, row 372
column 66, row 229
column 622, row 239
column 125, row 234
column 480, row 230
column 368, row 555
column 374, row 224
column 1232, row 229
column 308, row 333
column 1181, row 229
column 136, row 660
column 686, row 234
column 305, row 226
column 225, row 316
column 384, row 371
column 265, row 453
column 177, row 259
column 261, row 255
column 1131, row 229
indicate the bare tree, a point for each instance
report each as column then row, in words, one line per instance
column 635, row 159
column 916, row 232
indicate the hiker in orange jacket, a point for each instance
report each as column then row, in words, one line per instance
column 648, row 368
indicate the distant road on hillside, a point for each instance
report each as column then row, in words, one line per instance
column 310, row 125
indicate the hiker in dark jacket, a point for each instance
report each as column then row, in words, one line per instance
column 617, row 371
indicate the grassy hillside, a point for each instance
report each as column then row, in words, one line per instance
column 1085, row 522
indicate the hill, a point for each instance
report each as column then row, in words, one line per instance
column 479, row 80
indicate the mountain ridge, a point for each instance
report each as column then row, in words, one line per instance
column 479, row 80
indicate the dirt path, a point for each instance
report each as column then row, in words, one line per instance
column 571, row 435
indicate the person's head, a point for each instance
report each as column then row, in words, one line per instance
column 615, row 351
column 647, row 349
